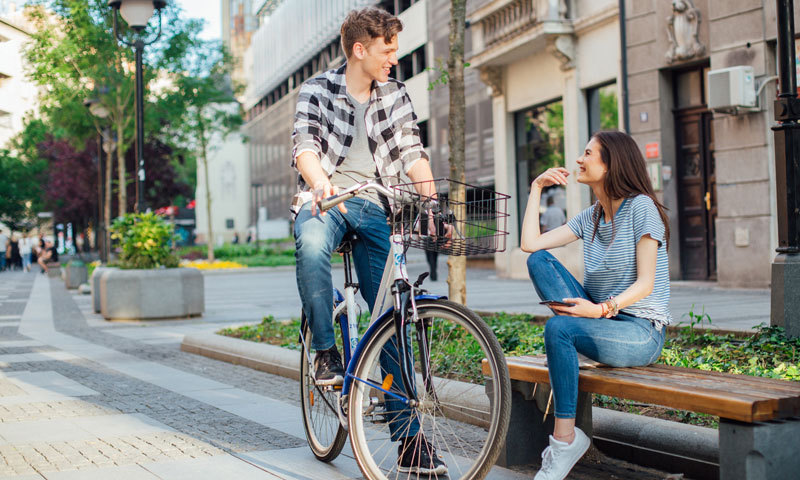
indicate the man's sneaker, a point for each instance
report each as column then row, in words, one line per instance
column 416, row 455
column 328, row 368
column 559, row 458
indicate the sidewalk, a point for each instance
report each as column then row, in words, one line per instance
column 261, row 292
column 81, row 398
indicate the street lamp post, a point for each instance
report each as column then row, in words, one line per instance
column 785, row 308
column 103, row 188
column 137, row 13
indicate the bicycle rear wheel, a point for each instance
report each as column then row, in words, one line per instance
column 462, row 413
column 320, row 405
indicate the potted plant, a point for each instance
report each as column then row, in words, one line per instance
column 75, row 274
column 147, row 283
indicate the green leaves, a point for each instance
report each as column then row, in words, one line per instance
column 145, row 241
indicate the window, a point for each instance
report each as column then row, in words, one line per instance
column 411, row 64
column 423, row 132
column 539, row 133
column 603, row 108
column 5, row 119
column 396, row 7
column 229, row 223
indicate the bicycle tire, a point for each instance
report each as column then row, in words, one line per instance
column 476, row 425
column 325, row 434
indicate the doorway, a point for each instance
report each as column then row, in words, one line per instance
column 697, row 195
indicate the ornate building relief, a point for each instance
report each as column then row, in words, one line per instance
column 682, row 28
column 493, row 77
column 563, row 48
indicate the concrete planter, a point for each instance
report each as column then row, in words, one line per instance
column 75, row 275
column 95, row 281
column 145, row 294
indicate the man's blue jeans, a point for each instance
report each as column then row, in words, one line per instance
column 622, row 341
column 316, row 237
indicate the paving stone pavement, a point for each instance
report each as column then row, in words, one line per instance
column 84, row 398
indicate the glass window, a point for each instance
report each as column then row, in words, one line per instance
column 603, row 108
column 540, row 145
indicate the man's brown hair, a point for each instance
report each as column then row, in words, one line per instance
column 367, row 24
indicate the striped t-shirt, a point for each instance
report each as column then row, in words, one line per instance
column 610, row 259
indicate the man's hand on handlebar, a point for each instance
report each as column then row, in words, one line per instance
column 323, row 190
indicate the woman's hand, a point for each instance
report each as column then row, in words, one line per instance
column 582, row 308
column 550, row 177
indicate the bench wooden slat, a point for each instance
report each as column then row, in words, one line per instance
column 736, row 397
column 759, row 382
column 721, row 383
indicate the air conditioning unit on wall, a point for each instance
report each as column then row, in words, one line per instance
column 732, row 89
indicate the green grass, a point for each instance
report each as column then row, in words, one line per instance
column 272, row 253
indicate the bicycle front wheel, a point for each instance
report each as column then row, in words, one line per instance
column 320, row 405
column 461, row 412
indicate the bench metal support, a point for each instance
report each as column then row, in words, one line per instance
column 529, row 430
column 759, row 450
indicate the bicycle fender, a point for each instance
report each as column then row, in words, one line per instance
column 385, row 316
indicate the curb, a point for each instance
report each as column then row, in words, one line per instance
column 648, row 441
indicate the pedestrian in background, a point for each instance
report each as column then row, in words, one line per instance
column 45, row 255
column 235, row 238
column 3, row 245
column 25, row 251
column 13, row 259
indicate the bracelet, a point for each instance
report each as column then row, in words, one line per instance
column 613, row 307
column 604, row 309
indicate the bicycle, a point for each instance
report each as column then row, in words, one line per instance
column 437, row 345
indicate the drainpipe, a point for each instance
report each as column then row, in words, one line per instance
column 623, row 40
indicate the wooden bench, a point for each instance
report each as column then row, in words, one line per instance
column 759, row 428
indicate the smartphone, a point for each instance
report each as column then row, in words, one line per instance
column 556, row 303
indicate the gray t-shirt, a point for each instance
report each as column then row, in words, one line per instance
column 358, row 165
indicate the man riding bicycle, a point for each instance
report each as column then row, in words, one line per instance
column 355, row 124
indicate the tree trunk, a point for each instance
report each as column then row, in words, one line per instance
column 457, row 265
column 122, row 184
column 210, row 241
column 107, row 204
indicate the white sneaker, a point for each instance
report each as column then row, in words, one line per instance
column 559, row 458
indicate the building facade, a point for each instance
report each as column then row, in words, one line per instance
column 281, row 62
column 552, row 68
column 716, row 161
column 17, row 94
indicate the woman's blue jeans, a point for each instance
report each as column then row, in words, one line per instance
column 316, row 237
column 622, row 341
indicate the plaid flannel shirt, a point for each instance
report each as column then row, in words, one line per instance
column 325, row 122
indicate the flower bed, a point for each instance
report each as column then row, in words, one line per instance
column 215, row 265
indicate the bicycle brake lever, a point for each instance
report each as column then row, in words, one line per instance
column 421, row 279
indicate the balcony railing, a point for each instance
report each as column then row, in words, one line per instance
column 508, row 21
column 501, row 20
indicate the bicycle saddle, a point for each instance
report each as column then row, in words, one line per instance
column 346, row 245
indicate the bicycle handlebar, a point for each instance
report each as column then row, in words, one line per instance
column 327, row 203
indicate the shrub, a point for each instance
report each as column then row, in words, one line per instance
column 145, row 241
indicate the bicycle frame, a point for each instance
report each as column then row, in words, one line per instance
column 394, row 293
column 395, row 270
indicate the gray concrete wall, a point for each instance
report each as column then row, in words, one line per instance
column 734, row 33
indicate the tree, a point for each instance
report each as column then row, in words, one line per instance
column 72, row 181
column 19, row 187
column 210, row 114
column 74, row 56
column 457, row 265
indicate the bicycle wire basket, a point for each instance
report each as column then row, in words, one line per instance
column 475, row 226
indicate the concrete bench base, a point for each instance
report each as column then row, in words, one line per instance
column 147, row 294
column 759, row 450
column 529, row 429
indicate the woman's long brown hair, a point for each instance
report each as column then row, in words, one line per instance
column 627, row 175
